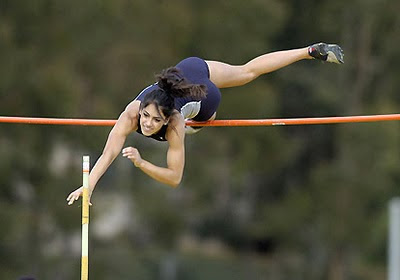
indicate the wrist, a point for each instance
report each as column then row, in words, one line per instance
column 140, row 164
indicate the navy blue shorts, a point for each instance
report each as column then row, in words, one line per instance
column 196, row 71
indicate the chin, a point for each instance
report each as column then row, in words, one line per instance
column 146, row 132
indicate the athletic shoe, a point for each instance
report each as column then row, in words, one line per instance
column 327, row 52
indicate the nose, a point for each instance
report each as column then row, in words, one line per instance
column 147, row 123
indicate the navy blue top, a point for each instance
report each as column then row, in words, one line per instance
column 196, row 71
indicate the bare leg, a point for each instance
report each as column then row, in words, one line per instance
column 225, row 75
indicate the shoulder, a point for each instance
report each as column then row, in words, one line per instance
column 130, row 115
column 132, row 109
column 176, row 127
column 177, row 119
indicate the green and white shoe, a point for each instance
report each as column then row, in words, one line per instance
column 327, row 52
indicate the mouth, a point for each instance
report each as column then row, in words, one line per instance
column 147, row 130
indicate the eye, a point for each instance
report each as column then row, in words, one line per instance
column 157, row 120
column 146, row 114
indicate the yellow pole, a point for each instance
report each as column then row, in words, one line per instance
column 85, row 219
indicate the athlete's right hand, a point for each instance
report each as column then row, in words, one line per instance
column 73, row 196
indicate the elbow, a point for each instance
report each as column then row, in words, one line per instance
column 174, row 183
column 110, row 153
column 174, row 178
column 107, row 155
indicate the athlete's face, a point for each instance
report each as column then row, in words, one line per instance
column 151, row 120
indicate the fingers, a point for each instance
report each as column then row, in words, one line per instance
column 125, row 151
column 129, row 152
column 132, row 154
column 72, row 198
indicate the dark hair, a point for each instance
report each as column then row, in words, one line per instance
column 172, row 84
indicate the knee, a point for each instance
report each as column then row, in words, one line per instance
column 248, row 74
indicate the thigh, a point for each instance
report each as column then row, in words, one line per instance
column 196, row 70
column 225, row 75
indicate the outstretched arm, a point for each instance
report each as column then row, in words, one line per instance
column 172, row 174
column 126, row 123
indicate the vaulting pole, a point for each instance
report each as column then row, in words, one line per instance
column 85, row 219
column 394, row 240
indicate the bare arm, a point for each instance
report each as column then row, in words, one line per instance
column 127, row 122
column 172, row 174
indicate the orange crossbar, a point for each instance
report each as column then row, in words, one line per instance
column 56, row 121
column 298, row 121
column 241, row 122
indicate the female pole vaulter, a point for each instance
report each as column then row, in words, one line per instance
column 190, row 90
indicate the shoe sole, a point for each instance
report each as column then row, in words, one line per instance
column 335, row 54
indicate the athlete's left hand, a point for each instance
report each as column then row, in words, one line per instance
column 132, row 154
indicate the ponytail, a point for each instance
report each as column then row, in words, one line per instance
column 172, row 84
column 171, row 80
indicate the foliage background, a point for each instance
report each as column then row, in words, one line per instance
column 300, row 202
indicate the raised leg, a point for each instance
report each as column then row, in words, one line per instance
column 226, row 75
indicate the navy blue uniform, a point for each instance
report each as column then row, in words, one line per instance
column 196, row 71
